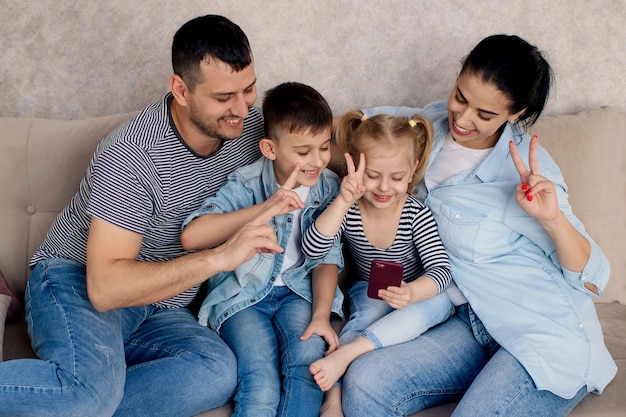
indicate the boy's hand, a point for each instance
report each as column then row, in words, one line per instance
column 285, row 196
column 352, row 187
column 323, row 329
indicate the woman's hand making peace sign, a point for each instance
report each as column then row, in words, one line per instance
column 536, row 195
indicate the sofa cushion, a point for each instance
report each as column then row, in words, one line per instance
column 43, row 161
column 42, row 164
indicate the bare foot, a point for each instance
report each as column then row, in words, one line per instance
column 331, row 407
column 327, row 371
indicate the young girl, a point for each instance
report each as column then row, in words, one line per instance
column 380, row 220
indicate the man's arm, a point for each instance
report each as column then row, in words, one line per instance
column 116, row 279
column 211, row 229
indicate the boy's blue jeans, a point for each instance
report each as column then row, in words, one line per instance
column 272, row 359
column 140, row 361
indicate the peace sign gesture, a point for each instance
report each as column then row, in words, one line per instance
column 352, row 187
column 291, row 200
column 536, row 195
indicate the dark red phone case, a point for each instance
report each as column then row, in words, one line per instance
column 382, row 275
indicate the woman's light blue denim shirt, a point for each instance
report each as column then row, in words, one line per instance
column 506, row 265
column 230, row 292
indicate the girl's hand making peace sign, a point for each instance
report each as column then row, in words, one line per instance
column 352, row 187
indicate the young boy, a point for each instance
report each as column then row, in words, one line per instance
column 274, row 310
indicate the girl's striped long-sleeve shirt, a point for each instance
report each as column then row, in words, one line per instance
column 417, row 245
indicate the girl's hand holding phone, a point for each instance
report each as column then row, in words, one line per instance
column 397, row 297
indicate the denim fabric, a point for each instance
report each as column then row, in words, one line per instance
column 263, row 336
column 445, row 364
column 385, row 326
column 93, row 363
column 230, row 292
column 506, row 266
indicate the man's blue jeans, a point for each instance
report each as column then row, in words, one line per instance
column 140, row 361
column 457, row 359
column 266, row 340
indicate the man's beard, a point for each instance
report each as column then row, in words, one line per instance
column 211, row 130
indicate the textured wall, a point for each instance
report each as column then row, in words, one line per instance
column 74, row 59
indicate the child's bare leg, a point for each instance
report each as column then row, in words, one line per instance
column 328, row 370
column 331, row 407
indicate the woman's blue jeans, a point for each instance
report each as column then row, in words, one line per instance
column 456, row 360
column 140, row 361
column 273, row 363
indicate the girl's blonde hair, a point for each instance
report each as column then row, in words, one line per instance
column 387, row 133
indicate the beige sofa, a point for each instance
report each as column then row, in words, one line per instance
column 42, row 162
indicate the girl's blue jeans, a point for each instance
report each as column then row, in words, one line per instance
column 456, row 360
column 141, row 361
column 383, row 326
column 273, row 363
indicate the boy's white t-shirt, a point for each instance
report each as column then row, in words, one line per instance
column 293, row 252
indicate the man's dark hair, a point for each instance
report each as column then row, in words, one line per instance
column 205, row 38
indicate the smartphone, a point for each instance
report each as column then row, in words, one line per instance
column 382, row 275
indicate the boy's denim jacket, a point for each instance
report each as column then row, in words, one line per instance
column 230, row 292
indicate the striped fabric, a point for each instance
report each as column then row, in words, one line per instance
column 144, row 178
column 417, row 245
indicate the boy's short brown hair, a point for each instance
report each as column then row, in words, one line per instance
column 295, row 108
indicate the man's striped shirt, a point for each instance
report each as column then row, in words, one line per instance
column 145, row 179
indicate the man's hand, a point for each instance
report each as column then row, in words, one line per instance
column 254, row 237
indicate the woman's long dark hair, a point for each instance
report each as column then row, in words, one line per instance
column 517, row 69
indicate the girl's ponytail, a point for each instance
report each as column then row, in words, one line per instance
column 345, row 132
column 424, row 135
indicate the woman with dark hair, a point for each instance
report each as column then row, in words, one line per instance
column 525, row 339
